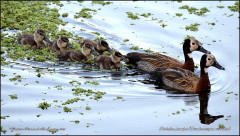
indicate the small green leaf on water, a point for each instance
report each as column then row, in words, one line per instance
column 14, row 96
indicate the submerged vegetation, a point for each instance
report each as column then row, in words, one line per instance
column 192, row 27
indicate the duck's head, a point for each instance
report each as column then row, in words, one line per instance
column 103, row 46
column 191, row 45
column 63, row 43
column 116, row 57
column 88, row 49
column 208, row 60
column 40, row 35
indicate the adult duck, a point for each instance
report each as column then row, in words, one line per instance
column 73, row 55
column 100, row 46
column 35, row 40
column 186, row 81
column 163, row 61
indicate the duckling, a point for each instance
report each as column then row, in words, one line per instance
column 110, row 62
column 100, row 46
column 35, row 40
column 160, row 60
column 60, row 44
column 73, row 55
column 186, row 81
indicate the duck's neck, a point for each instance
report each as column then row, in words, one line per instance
column 88, row 55
column 189, row 63
column 203, row 83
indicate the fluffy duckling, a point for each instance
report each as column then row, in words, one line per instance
column 110, row 62
column 60, row 44
column 186, row 81
column 35, row 40
column 163, row 61
column 100, row 46
column 73, row 55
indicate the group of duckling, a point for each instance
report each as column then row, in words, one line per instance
column 166, row 70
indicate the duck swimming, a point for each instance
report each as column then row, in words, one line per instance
column 73, row 55
column 35, row 40
column 60, row 44
column 100, row 46
column 110, row 62
column 163, row 61
column 186, row 81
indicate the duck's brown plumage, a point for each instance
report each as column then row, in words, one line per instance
column 186, row 81
column 35, row 40
column 110, row 62
column 163, row 61
column 100, row 46
column 60, row 44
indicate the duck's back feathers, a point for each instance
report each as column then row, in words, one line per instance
column 26, row 39
column 177, row 78
column 72, row 55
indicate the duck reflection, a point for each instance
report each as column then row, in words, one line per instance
column 204, row 116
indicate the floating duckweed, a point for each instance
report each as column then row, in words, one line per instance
column 126, row 40
column 235, row 8
column 148, row 51
column 59, row 87
column 220, row 6
column 64, row 14
column 16, row 78
column 93, row 82
column 212, row 24
column 53, row 130
column 134, row 48
column 17, row 134
column 96, row 33
column 4, row 117
column 14, row 96
column 132, row 16
column 74, row 82
column 146, row 14
column 101, row 2
column 38, row 115
column 193, row 10
column 90, row 61
column 44, row 105
column 75, row 121
column 179, row 14
column 88, row 108
column 192, row 27
column 119, row 97
column 163, row 25
column 70, row 101
column 221, row 126
column 66, row 109
column 98, row 95
column 3, row 130
column 85, row 13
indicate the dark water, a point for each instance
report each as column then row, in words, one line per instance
column 144, row 108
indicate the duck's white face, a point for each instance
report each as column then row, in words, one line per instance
column 194, row 44
column 210, row 60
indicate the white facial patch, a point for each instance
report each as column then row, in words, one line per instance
column 189, row 55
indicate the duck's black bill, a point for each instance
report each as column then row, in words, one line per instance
column 94, row 52
column 217, row 65
column 200, row 48
column 70, row 46
column 46, row 39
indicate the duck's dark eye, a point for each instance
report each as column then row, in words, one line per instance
column 193, row 43
column 209, row 58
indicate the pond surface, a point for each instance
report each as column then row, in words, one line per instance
column 132, row 104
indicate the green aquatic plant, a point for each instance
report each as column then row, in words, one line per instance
column 96, row 33
column 76, row 121
column 134, row 48
column 70, row 101
column 220, row 6
column 66, row 109
column 192, row 27
column 3, row 130
column 13, row 96
column 132, row 16
column 16, row 78
column 101, row 2
column 179, row 14
column 148, row 51
column 88, row 108
column 126, row 40
column 4, row 117
column 221, row 126
column 64, row 14
column 234, row 8
column 92, row 82
column 193, row 10
column 146, row 14
column 38, row 115
column 44, row 105
column 53, row 130
column 85, row 13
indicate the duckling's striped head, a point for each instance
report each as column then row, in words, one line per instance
column 63, row 42
column 88, row 49
column 40, row 35
column 103, row 45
